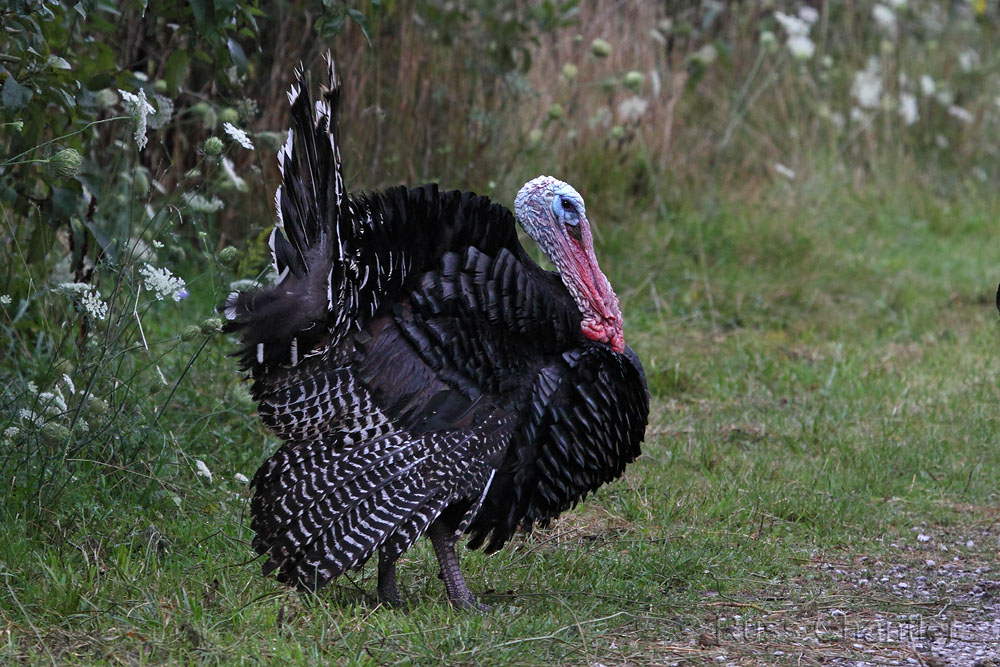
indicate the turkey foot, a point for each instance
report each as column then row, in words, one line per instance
column 458, row 592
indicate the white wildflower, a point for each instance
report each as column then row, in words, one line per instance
column 162, row 282
column 238, row 135
column 897, row 4
column 927, row 85
column 808, row 14
column 202, row 470
column 201, row 204
column 53, row 399
column 139, row 108
column 227, row 166
column 867, row 85
column 10, row 432
column 885, row 18
column 241, row 478
column 923, row 538
column 93, row 305
column 5, row 299
column 908, row 108
column 27, row 415
column 837, row 120
column 941, row 141
column 792, row 25
column 632, row 108
column 784, row 171
column 960, row 113
column 90, row 298
column 801, row 47
column 68, row 383
column 32, row 387
column 968, row 59
column 157, row 244
column 859, row 116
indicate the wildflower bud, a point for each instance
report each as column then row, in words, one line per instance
column 229, row 115
column 633, row 80
column 160, row 86
column 556, row 111
column 617, row 132
column 190, row 333
column 18, row 125
column 96, row 405
column 213, row 146
column 600, row 48
column 665, row 25
column 65, row 163
column 569, row 71
column 535, row 136
column 228, row 254
column 768, row 41
column 211, row 326
column 106, row 98
column 54, row 433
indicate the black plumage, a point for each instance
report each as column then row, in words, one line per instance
column 426, row 375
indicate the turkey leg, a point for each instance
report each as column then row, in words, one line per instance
column 387, row 591
column 458, row 592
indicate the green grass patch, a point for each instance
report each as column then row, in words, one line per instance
column 824, row 379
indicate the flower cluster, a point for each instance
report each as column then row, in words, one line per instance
column 89, row 299
column 139, row 109
column 238, row 135
column 163, row 283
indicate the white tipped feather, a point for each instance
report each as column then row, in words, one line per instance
column 230, row 312
column 260, row 353
column 295, row 351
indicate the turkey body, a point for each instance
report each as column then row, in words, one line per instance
column 426, row 375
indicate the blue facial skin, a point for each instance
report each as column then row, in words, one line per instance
column 567, row 207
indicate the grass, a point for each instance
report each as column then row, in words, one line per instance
column 821, row 359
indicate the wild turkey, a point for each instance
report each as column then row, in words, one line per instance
column 426, row 375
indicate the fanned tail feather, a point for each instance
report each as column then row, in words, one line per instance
column 319, row 513
column 280, row 324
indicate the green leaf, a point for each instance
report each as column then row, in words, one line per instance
column 176, row 70
column 362, row 22
column 237, row 55
column 15, row 96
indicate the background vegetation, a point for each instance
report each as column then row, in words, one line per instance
column 796, row 203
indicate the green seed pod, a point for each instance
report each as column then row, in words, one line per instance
column 271, row 140
column 556, row 111
column 160, row 86
column 535, row 136
column 65, row 163
column 190, row 333
column 229, row 115
column 600, row 48
column 228, row 254
column 141, row 182
column 617, row 132
column 96, row 405
column 55, row 433
column 213, row 146
column 633, row 80
column 569, row 71
column 211, row 326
